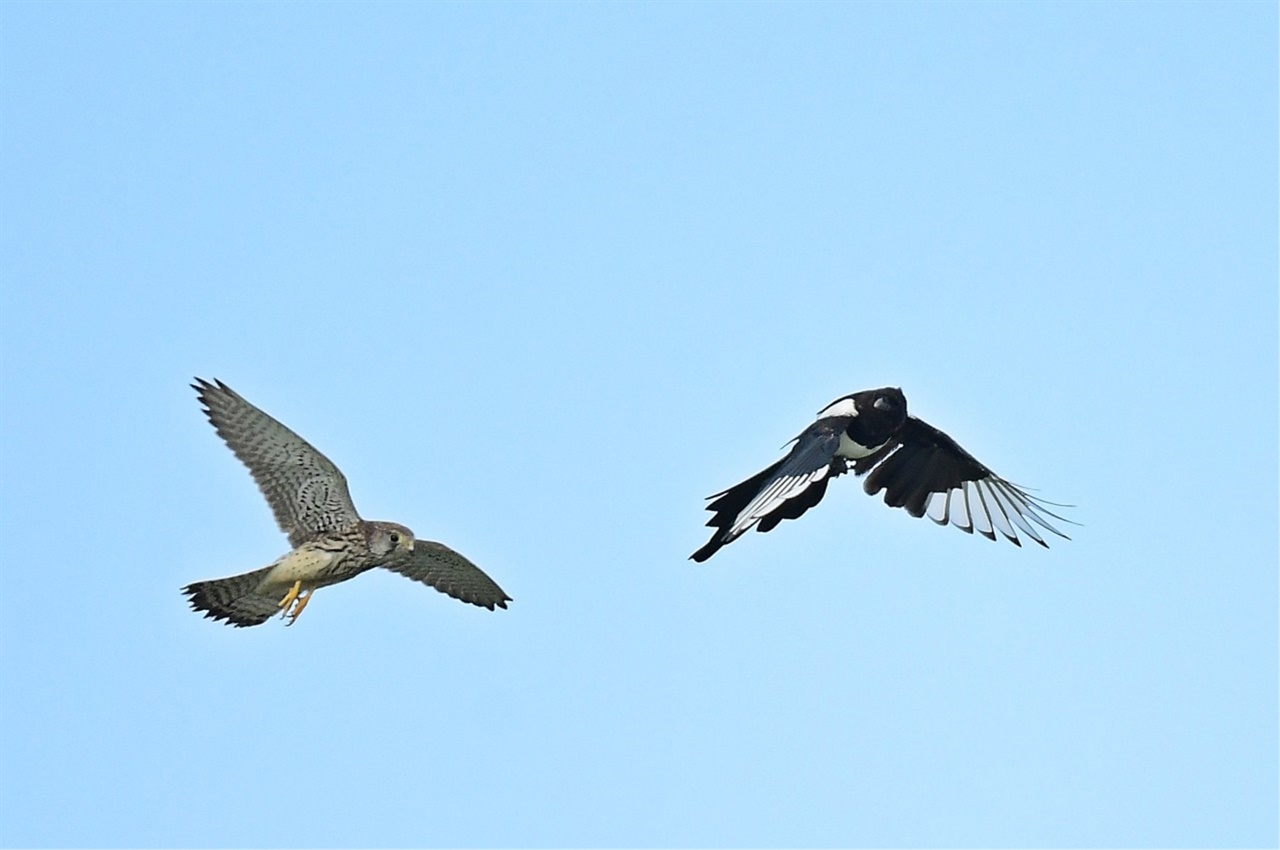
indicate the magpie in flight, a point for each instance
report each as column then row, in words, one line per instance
column 919, row 468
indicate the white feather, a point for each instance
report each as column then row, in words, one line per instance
column 778, row 492
column 839, row 407
column 852, row 450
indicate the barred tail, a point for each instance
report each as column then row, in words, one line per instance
column 234, row 599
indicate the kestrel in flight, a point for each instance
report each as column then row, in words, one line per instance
column 331, row 543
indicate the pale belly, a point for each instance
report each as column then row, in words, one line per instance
column 308, row 564
column 848, row 448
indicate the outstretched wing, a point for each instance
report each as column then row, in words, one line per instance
column 448, row 572
column 306, row 492
column 783, row 491
column 928, row 473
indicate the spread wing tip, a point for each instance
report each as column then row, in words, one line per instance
column 706, row 551
column 203, row 386
column 489, row 604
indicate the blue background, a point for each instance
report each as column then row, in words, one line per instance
column 539, row 278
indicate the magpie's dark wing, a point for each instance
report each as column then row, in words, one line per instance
column 448, row 572
column 927, row 472
column 785, row 490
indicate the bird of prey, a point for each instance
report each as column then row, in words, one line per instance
column 919, row 468
column 331, row 543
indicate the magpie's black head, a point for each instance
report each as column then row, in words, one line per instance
column 881, row 412
column 888, row 400
column 870, row 418
column 887, row 406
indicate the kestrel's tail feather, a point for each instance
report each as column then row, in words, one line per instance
column 234, row 599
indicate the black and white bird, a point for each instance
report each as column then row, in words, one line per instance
column 919, row 468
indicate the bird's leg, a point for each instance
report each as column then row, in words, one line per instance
column 298, row 605
column 290, row 597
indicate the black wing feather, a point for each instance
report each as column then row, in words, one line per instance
column 815, row 449
column 922, row 462
column 926, row 461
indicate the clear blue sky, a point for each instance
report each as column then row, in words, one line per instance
column 540, row 278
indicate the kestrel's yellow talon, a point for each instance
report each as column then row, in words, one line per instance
column 298, row 605
column 291, row 595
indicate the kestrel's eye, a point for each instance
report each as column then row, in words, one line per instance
column 395, row 538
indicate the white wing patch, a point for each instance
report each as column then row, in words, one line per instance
column 987, row 506
column 771, row 497
column 839, row 407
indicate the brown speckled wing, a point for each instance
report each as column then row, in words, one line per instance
column 306, row 492
column 448, row 572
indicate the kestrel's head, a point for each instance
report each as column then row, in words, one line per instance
column 387, row 539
